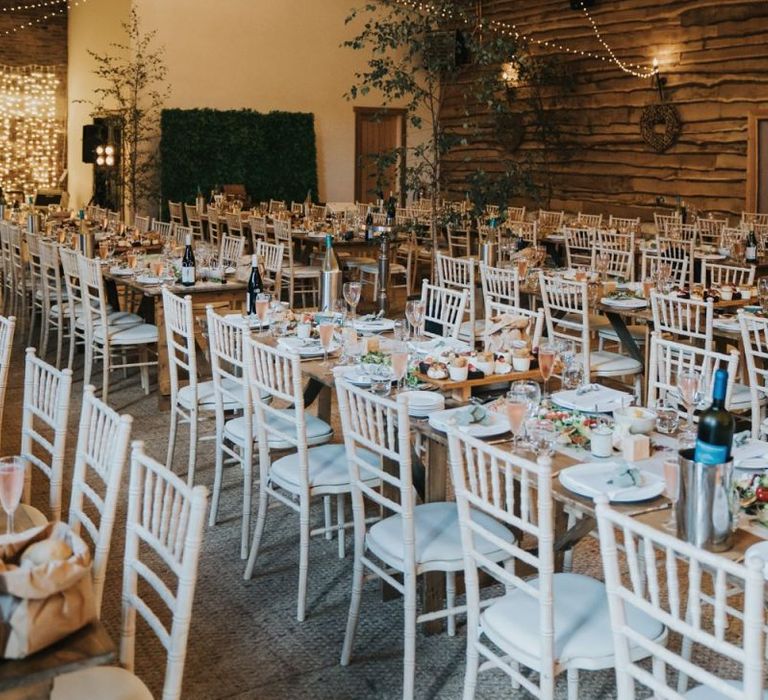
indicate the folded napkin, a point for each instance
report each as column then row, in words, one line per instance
column 473, row 415
column 626, row 477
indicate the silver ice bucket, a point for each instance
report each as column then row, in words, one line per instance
column 704, row 514
column 488, row 253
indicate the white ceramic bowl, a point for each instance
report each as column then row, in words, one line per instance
column 641, row 421
column 458, row 374
column 485, row 367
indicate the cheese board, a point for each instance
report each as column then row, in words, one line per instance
column 462, row 390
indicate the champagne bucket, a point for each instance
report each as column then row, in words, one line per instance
column 87, row 243
column 704, row 514
column 488, row 253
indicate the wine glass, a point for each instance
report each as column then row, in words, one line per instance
column 547, row 355
column 414, row 312
column 262, row 306
column 689, row 388
column 672, row 491
column 352, row 291
column 517, row 409
column 399, row 360
column 12, row 471
column 532, row 393
column 325, row 330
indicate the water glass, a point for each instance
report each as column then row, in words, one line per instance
column 667, row 419
column 381, row 378
column 352, row 292
column 542, row 434
column 414, row 312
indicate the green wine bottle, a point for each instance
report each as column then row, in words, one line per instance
column 716, row 425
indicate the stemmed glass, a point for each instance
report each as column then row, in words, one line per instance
column 262, row 306
column 325, row 330
column 414, row 312
column 689, row 387
column 352, row 291
column 547, row 356
column 399, row 360
column 11, row 485
column 542, row 434
column 517, row 410
column 672, row 491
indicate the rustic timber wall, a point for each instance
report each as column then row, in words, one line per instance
column 714, row 54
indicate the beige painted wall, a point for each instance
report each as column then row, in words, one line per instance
column 91, row 26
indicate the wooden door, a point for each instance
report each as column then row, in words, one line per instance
column 757, row 161
column 378, row 131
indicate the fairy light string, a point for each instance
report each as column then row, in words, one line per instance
column 69, row 4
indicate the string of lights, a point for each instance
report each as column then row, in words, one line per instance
column 510, row 29
column 44, row 17
column 33, row 5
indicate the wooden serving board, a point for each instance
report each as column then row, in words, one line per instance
column 462, row 391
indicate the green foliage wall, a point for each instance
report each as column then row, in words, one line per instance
column 273, row 154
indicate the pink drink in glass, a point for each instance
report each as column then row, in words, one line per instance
column 546, row 363
column 399, row 364
column 261, row 308
column 11, row 486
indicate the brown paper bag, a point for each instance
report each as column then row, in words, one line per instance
column 40, row 605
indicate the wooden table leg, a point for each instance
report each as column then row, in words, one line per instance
column 163, row 372
column 36, row 691
column 619, row 324
column 435, row 490
column 324, row 402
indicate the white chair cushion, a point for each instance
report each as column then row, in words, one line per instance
column 128, row 335
column 65, row 309
column 115, row 318
column 327, row 467
column 205, row 395
column 702, row 692
column 596, row 321
column 35, row 516
column 103, row 682
column 637, row 333
column 438, row 538
column 317, row 430
column 581, row 620
column 613, row 364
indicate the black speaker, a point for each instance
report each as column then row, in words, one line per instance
column 93, row 135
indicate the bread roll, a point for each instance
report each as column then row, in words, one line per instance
column 46, row 551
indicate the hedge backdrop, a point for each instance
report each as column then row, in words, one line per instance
column 273, row 155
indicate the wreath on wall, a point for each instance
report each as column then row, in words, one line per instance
column 660, row 115
column 510, row 130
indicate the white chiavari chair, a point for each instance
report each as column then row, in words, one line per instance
column 258, row 227
column 101, row 454
column 620, row 251
column 566, row 311
column 754, row 345
column 114, row 220
column 689, row 320
column 549, row 622
column 624, row 224
column 194, row 221
column 710, row 230
column 588, row 220
column 302, row 280
column 230, row 250
column 45, row 413
column 20, row 274
column 214, row 227
column 579, row 247
column 498, row 311
column 443, row 310
column 459, row 243
column 234, row 224
column 318, row 212
column 297, row 208
column 652, row 262
column 733, row 275
column 667, row 358
column 411, row 539
column 176, row 212
column 275, row 206
column 180, row 234
column 550, row 221
column 515, row 214
column 7, row 266
column 527, row 230
column 164, row 228
column 313, row 468
column 680, row 251
column 107, row 333
column 36, row 290
column 141, row 223
column 165, row 520
column 70, row 271
column 729, row 237
column 458, row 274
column 7, row 327
column 272, row 256
column 683, row 232
column 664, row 222
column 55, row 316
column 748, row 218
column 499, row 284
column 657, row 562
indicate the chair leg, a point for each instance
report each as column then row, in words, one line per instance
column 217, row 477
column 88, row 362
column 327, row 517
column 72, row 340
column 247, row 457
column 45, row 327
column 340, row 523
column 144, row 369
column 192, row 461
column 172, row 435
column 573, row 683
column 450, row 600
column 260, row 520
column 470, row 673
column 105, row 373
column 354, row 600
column 301, row 605
column 409, row 651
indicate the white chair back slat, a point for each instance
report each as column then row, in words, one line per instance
column 619, row 252
column 550, row 221
column 176, row 212
column 527, row 230
column 653, row 261
column 664, row 222
column 459, row 274
column 624, row 224
column 500, row 285
column 593, row 221
column 272, row 256
column 180, row 338
column 101, row 455
column 515, row 214
column 141, row 223
column 164, row 228
column 444, row 308
column 748, row 218
column 754, row 345
column 709, row 230
column 687, row 319
column 718, row 275
column 231, row 250
column 47, row 393
column 7, row 328
column 579, row 247
column 167, row 515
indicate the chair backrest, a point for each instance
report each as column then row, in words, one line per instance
column 102, row 452
column 656, row 561
column 230, row 250
column 94, row 298
column 276, row 206
column 709, row 230
column 619, row 250
column 527, row 230
column 258, row 226
column 682, row 232
column 44, row 426
column 686, row 319
column 234, row 224
column 225, row 345
column 754, row 345
column 550, row 221
column 166, row 516
column 194, row 221
column 141, row 223
column 181, row 232
column 458, row 274
column 459, row 244
column 18, row 264
column 443, row 307
column 70, row 268
column 318, row 212
column 566, row 312
column 678, row 268
column 624, row 224
column 113, row 220
column 589, row 220
column 517, row 493
column 664, row 222
column 733, row 275
column 515, row 214
column 214, row 226
column 176, row 212
column 180, row 340
column 499, row 284
column 729, row 237
column 272, row 256
column 284, row 236
column 7, row 327
column 579, row 247
column 748, row 217
column 667, row 358
column 497, row 312
column 164, row 228
column 33, row 257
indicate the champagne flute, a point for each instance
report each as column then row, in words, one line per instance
column 262, row 306
column 12, row 471
column 352, row 292
column 325, row 330
column 517, row 409
column 414, row 312
column 672, row 491
column 399, row 360
column 547, row 355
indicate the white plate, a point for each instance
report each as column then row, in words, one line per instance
column 711, row 256
column 591, row 479
column 497, row 425
column 377, row 326
column 120, row 271
column 422, row 403
column 625, row 303
column 752, row 456
column 727, row 324
column 440, row 345
column 355, row 375
column 150, row 279
column 252, row 321
column 306, row 347
column 602, row 400
column 759, row 549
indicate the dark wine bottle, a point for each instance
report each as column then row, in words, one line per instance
column 391, row 210
column 751, row 248
column 255, row 286
column 188, row 264
column 369, row 226
column 715, row 435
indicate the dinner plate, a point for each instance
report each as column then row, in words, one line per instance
column 752, row 456
column 375, row 326
column 306, row 347
column 252, row 321
column 711, row 256
column 727, row 323
column 625, row 303
column 120, row 271
column 497, row 425
column 439, row 345
column 355, row 375
column 422, row 403
column 591, row 479
column 602, row 400
column 150, row 279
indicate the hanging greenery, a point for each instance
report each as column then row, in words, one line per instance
column 273, row 155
